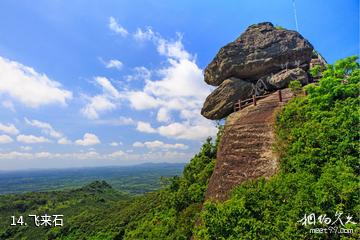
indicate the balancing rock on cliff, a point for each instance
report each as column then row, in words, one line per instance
column 263, row 59
column 260, row 50
column 220, row 102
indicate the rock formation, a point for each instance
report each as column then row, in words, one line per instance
column 245, row 150
column 283, row 78
column 263, row 57
column 261, row 61
column 318, row 60
column 220, row 102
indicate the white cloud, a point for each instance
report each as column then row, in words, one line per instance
column 180, row 90
column 5, row 139
column 181, row 79
column 125, row 121
column 114, row 63
column 91, row 155
column 163, row 115
column 116, row 154
column 117, row 28
column 9, row 105
column 173, row 49
column 185, row 131
column 9, row 129
column 115, row 144
column 29, row 87
column 46, row 128
column 101, row 103
column 140, row 73
column 138, row 144
column 42, row 155
column 128, row 157
column 64, row 141
column 96, row 105
column 167, row 156
column 31, row 139
column 176, row 91
column 120, row 121
column 160, row 145
column 107, row 87
column 169, row 48
column 146, row 35
column 88, row 140
column 25, row 148
column 177, row 130
column 145, row 127
column 15, row 155
column 140, row 100
column 48, row 155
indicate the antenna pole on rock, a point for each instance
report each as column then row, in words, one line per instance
column 295, row 16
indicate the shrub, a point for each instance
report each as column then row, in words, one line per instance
column 295, row 87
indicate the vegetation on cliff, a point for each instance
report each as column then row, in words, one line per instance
column 180, row 203
column 318, row 142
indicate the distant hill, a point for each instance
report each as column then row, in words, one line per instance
column 136, row 179
column 97, row 205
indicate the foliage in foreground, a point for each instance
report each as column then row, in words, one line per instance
column 318, row 141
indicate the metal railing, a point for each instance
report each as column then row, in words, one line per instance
column 241, row 104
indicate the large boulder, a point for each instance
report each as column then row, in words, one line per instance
column 283, row 78
column 220, row 102
column 261, row 50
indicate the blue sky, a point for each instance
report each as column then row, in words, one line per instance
column 94, row 83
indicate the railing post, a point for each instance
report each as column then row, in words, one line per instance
column 280, row 96
column 254, row 100
column 237, row 105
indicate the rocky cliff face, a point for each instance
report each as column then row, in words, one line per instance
column 245, row 150
column 262, row 60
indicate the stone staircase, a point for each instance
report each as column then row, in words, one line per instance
column 245, row 151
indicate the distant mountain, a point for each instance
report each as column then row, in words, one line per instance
column 136, row 179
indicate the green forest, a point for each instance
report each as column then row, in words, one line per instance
column 317, row 139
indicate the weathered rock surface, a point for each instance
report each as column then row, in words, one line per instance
column 245, row 150
column 318, row 60
column 220, row 102
column 266, row 57
column 283, row 78
column 262, row 49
